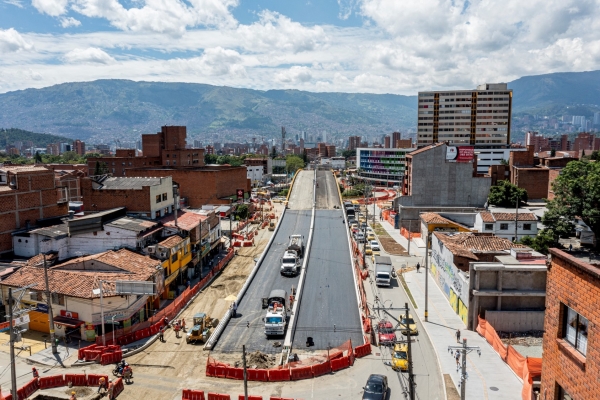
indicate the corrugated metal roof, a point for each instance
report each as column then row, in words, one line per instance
column 129, row 182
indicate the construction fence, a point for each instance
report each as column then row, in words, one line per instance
column 54, row 381
column 526, row 368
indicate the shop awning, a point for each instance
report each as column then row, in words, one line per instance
column 68, row 322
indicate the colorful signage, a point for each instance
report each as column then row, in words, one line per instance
column 460, row 153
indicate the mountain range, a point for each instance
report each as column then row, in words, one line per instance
column 105, row 110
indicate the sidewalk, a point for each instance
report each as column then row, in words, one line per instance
column 415, row 250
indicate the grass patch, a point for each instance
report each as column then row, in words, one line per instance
column 379, row 230
column 405, row 286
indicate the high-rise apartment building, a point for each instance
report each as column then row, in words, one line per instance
column 386, row 142
column 479, row 117
column 396, row 136
column 353, row 142
column 78, row 147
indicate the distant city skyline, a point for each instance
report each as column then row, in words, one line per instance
column 371, row 46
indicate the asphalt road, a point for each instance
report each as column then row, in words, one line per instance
column 328, row 312
column 248, row 328
column 427, row 375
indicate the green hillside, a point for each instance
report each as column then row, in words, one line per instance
column 11, row 135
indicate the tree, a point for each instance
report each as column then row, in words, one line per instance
column 595, row 155
column 70, row 157
column 37, row 157
column 505, row 194
column 293, row 163
column 544, row 239
column 273, row 152
column 576, row 194
column 210, row 159
column 348, row 153
column 241, row 211
column 552, row 152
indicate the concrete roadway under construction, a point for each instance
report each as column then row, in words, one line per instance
column 248, row 328
column 329, row 309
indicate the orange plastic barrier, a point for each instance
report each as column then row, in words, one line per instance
column 211, row 370
column 363, row 350
column 218, row 396
column 278, row 375
column 321, row 369
column 301, row 373
column 340, row 363
column 281, row 398
column 234, row 373
column 258, row 375
column 28, row 389
column 53, row 381
column 221, row 371
column 119, row 387
column 241, row 397
column 94, row 380
column 76, row 379
column 192, row 394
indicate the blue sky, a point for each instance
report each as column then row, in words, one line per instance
column 376, row 46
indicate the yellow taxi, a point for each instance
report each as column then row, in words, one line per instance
column 370, row 236
column 408, row 324
column 400, row 357
column 368, row 250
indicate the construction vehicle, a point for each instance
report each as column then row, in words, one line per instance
column 271, row 225
column 201, row 329
column 400, row 357
column 290, row 263
column 276, row 318
column 383, row 271
column 296, row 244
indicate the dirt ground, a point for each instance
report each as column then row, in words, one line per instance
column 389, row 244
column 163, row 369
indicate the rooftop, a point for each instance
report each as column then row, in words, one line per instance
column 112, row 183
column 16, row 169
column 467, row 244
column 501, row 216
column 171, row 241
column 133, row 224
column 185, row 220
column 78, row 277
column 424, row 149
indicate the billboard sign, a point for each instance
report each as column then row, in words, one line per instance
column 460, row 153
column 240, row 194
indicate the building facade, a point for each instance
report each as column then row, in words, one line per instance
column 479, row 117
column 382, row 166
column 502, row 224
column 571, row 361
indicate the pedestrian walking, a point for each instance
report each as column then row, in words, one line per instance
column 418, row 267
column 166, row 321
column 457, row 358
column 457, row 336
column 570, row 247
column 35, row 372
column 101, row 384
column 176, row 329
column 234, row 308
column 161, row 334
column 183, row 324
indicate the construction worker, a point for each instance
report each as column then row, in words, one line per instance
column 161, row 334
column 35, row 372
column 183, row 324
column 111, row 389
column 101, row 384
column 73, row 396
column 176, row 329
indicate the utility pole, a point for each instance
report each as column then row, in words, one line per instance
column 411, row 377
column 464, row 350
column 427, row 275
column 245, row 372
column 230, row 216
column 516, row 218
column 102, row 312
column 409, row 234
column 49, row 303
column 13, row 369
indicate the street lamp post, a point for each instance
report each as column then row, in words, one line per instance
column 49, row 303
column 102, row 312
column 427, row 276
column 113, row 328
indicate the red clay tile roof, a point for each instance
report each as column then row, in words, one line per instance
column 70, row 278
column 435, row 218
column 467, row 244
column 171, row 241
column 493, row 217
column 185, row 220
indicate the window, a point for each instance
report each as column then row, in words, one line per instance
column 58, row 298
column 562, row 394
column 174, row 257
column 489, row 227
column 575, row 329
column 503, row 227
column 164, row 197
column 526, row 227
column 158, row 198
column 36, row 296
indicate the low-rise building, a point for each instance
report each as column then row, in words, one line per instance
column 255, row 175
column 451, row 254
column 510, row 292
column 502, row 224
column 148, row 197
column 571, row 361
column 434, row 222
column 75, row 286
column 176, row 255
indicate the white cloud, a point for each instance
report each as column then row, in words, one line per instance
column 69, row 22
column 277, row 33
column 53, row 8
column 164, row 16
column 214, row 62
column 16, row 3
column 91, row 55
column 296, row 74
column 12, row 41
column 346, row 8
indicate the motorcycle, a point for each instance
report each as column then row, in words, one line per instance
column 118, row 371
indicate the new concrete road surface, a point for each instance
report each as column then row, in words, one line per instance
column 328, row 310
column 248, row 328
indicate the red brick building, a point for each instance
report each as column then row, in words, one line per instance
column 571, row 360
column 79, row 147
column 27, row 194
column 203, row 185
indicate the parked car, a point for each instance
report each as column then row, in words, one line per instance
column 360, row 237
column 368, row 250
column 400, row 357
column 385, row 333
column 370, row 236
column 374, row 245
column 408, row 324
column 352, row 221
column 376, row 387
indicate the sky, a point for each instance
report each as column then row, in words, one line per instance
column 367, row 46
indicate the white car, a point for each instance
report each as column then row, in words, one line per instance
column 375, row 245
column 360, row 237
